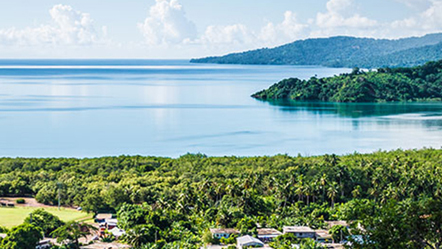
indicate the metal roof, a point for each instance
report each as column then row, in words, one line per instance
column 248, row 239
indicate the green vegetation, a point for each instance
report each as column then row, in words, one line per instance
column 45, row 220
column 171, row 203
column 25, row 236
column 20, row 201
column 10, row 217
column 342, row 52
column 44, row 224
column 384, row 85
column 71, row 232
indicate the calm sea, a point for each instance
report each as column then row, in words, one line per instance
column 77, row 108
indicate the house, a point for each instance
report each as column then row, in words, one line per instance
column 300, row 231
column 117, row 232
column 246, row 241
column 268, row 234
column 322, row 236
column 219, row 233
column 44, row 244
column 101, row 218
column 111, row 223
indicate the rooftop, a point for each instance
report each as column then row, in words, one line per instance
column 323, row 233
column 103, row 216
column 298, row 229
column 268, row 231
column 224, row 230
column 248, row 239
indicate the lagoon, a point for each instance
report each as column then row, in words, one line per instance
column 91, row 108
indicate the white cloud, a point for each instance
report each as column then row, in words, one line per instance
column 230, row 34
column 432, row 17
column 427, row 21
column 337, row 6
column 167, row 24
column 69, row 27
column 288, row 30
column 337, row 16
column 239, row 36
column 419, row 5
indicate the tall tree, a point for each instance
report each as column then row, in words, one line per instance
column 72, row 231
column 25, row 236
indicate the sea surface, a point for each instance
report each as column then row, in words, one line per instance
column 91, row 108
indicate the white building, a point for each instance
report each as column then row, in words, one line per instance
column 117, row 232
column 300, row 231
column 268, row 234
column 44, row 244
column 248, row 241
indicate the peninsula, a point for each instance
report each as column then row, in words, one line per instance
column 421, row 83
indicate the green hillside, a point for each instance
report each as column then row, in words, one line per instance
column 342, row 51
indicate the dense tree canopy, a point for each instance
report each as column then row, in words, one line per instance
column 384, row 85
column 175, row 201
column 44, row 220
column 25, row 236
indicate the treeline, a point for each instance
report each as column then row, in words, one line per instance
column 181, row 198
column 421, row 83
column 342, row 51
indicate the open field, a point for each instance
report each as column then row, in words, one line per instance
column 10, row 217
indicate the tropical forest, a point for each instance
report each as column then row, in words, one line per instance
column 172, row 203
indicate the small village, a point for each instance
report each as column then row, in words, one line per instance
column 108, row 230
column 267, row 235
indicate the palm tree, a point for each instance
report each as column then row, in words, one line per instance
column 323, row 181
column 72, row 232
column 332, row 191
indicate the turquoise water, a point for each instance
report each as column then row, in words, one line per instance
column 76, row 108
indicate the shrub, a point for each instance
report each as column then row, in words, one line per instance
column 20, row 201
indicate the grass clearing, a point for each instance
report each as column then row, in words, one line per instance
column 10, row 217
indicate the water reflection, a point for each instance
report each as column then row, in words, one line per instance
column 422, row 111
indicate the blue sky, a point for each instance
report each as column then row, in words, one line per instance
column 193, row 28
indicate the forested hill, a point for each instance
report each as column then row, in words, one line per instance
column 384, row 85
column 342, row 51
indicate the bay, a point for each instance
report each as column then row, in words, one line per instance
column 90, row 108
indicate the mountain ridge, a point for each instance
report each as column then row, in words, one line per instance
column 340, row 51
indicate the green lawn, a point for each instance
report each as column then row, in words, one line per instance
column 10, row 217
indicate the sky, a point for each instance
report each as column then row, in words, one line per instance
column 182, row 29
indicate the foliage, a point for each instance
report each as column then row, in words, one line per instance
column 384, row 85
column 173, row 202
column 71, row 232
column 20, row 201
column 3, row 229
column 339, row 233
column 342, row 52
column 402, row 224
column 285, row 241
column 44, row 220
column 25, row 236
column 310, row 244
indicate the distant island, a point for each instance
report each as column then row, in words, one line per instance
column 421, row 83
column 342, row 51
